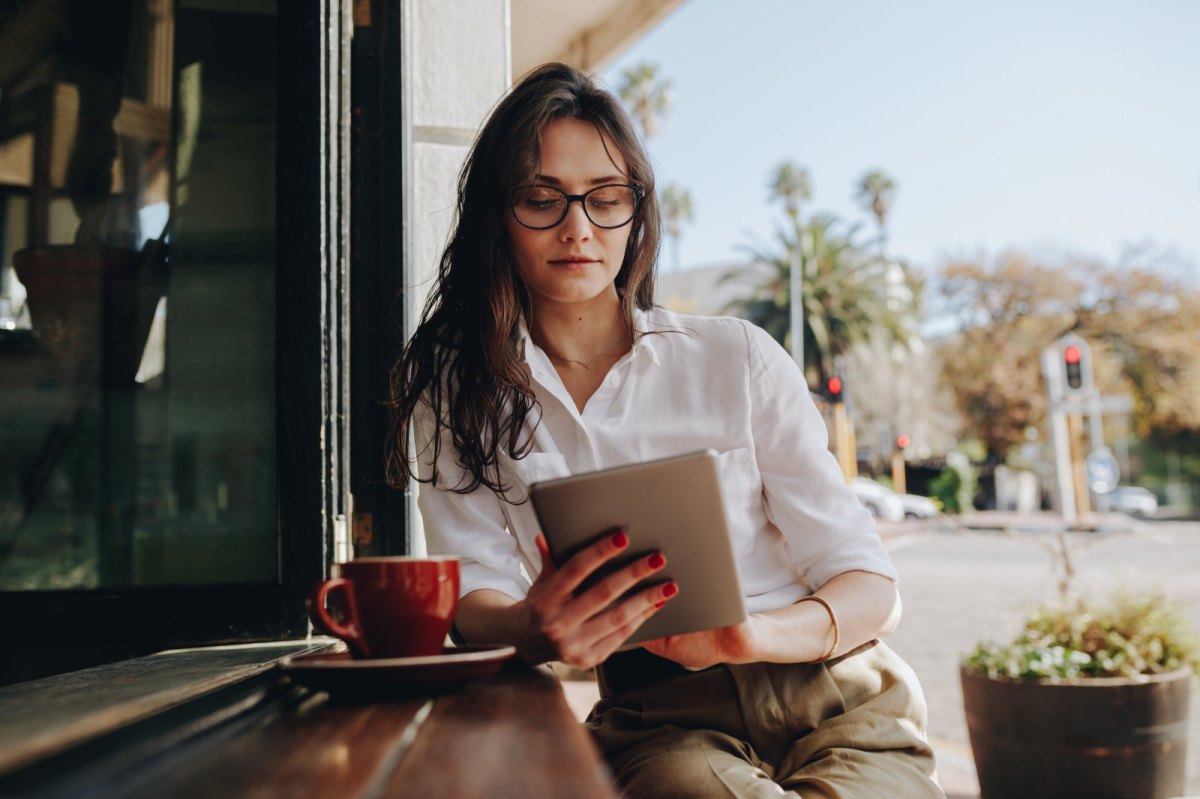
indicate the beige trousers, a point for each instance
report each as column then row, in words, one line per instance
column 851, row 728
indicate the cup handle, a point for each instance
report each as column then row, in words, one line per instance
column 351, row 631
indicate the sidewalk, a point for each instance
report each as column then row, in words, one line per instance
column 1047, row 522
column 955, row 766
column 1038, row 522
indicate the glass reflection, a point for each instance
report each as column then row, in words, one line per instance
column 137, row 293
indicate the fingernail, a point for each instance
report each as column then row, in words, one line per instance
column 660, row 604
column 656, row 561
column 620, row 540
column 670, row 589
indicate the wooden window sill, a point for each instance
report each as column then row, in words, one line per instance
column 47, row 716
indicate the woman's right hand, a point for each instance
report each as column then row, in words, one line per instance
column 583, row 630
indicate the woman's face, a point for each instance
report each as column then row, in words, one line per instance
column 575, row 261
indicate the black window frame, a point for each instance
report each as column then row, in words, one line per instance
column 55, row 631
column 379, row 523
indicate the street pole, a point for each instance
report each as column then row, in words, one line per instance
column 1063, row 476
column 899, row 483
column 796, row 288
column 1083, row 505
column 1096, row 428
column 843, row 441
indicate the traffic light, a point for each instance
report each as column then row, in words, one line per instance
column 1073, row 365
column 833, row 389
column 1067, row 365
column 903, row 442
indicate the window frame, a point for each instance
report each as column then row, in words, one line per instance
column 379, row 523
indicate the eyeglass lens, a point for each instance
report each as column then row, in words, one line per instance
column 546, row 206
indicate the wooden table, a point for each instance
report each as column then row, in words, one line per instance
column 508, row 735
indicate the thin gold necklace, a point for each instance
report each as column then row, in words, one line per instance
column 587, row 365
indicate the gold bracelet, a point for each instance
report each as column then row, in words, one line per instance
column 837, row 633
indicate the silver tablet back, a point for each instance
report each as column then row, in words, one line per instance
column 674, row 506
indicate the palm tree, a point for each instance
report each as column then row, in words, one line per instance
column 677, row 211
column 791, row 184
column 646, row 95
column 845, row 293
column 876, row 193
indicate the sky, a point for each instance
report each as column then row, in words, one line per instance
column 1058, row 127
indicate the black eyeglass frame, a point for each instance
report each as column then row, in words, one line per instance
column 638, row 194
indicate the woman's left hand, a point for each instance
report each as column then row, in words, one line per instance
column 868, row 607
column 735, row 644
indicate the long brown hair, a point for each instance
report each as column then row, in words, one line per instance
column 462, row 361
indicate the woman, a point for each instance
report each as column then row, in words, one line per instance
column 540, row 354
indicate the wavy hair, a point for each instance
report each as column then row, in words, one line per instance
column 463, row 361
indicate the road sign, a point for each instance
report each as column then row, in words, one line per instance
column 1103, row 472
column 1116, row 404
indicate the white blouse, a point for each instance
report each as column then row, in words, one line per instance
column 689, row 383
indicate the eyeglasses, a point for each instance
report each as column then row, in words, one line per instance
column 609, row 206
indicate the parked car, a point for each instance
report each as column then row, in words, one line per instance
column 1134, row 500
column 918, row 507
column 886, row 504
column 883, row 502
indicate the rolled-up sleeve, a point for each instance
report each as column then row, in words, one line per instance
column 471, row 526
column 826, row 529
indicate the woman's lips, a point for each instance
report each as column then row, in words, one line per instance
column 573, row 261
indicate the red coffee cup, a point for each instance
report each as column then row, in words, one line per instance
column 391, row 607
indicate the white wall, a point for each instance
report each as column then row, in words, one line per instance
column 457, row 65
column 457, row 68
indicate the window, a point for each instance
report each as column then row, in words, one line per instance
column 173, row 322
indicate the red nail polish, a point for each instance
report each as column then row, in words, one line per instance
column 670, row 589
column 620, row 540
column 656, row 561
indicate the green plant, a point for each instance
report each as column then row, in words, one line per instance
column 846, row 292
column 1134, row 635
column 945, row 489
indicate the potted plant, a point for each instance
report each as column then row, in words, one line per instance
column 1090, row 699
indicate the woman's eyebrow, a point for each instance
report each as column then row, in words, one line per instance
column 593, row 182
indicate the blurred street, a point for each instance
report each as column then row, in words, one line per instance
column 973, row 579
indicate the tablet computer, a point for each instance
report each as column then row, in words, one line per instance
column 673, row 506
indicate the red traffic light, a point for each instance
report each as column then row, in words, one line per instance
column 903, row 442
column 834, row 386
column 1073, row 367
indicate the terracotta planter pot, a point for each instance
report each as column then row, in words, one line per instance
column 91, row 307
column 1118, row 738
